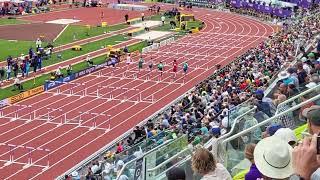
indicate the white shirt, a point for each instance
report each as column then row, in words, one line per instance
column 16, row 81
column 163, row 18
column 94, row 168
column 58, row 72
column 88, row 58
column 220, row 173
column 128, row 59
column 38, row 42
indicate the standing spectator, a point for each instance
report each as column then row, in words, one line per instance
column 204, row 163
column 9, row 61
column 253, row 173
column 31, row 53
column 15, row 69
column 39, row 62
column 142, row 16
column 27, row 64
column 163, row 18
column 23, row 68
column 38, row 43
column 34, row 63
column 2, row 74
column 126, row 17
column 8, row 72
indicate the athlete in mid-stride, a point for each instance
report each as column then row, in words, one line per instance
column 160, row 68
column 185, row 68
column 128, row 59
column 175, row 68
column 150, row 64
column 140, row 63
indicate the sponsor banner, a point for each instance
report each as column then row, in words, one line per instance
column 92, row 69
column 26, row 94
column 52, row 84
column 4, row 103
column 138, row 170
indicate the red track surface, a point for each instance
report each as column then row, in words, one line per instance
column 91, row 16
column 225, row 37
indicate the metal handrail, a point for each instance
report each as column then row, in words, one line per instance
column 168, row 160
column 271, row 119
column 297, row 96
column 135, row 159
column 147, row 153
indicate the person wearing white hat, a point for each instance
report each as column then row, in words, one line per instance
column 75, row 175
column 287, row 135
column 273, row 158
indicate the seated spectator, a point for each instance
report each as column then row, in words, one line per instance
column 75, row 175
column 69, row 70
column 119, row 147
column 59, row 73
column 312, row 115
column 263, row 106
column 204, row 163
column 287, row 135
column 287, row 119
column 176, row 173
column 89, row 61
column 17, row 84
column 271, row 130
column 125, row 49
column 273, row 158
column 253, row 173
column 52, row 76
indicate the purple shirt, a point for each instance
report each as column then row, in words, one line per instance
column 253, row 173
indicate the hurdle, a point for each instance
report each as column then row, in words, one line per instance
column 124, row 91
column 147, row 100
column 11, row 153
column 94, row 120
column 29, row 154
column 30, row 149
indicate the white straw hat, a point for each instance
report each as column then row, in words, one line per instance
column 273, row 158
column 74, row 174
column 286, row 134
column 283, row 75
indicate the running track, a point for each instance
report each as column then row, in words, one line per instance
column 225, row 37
